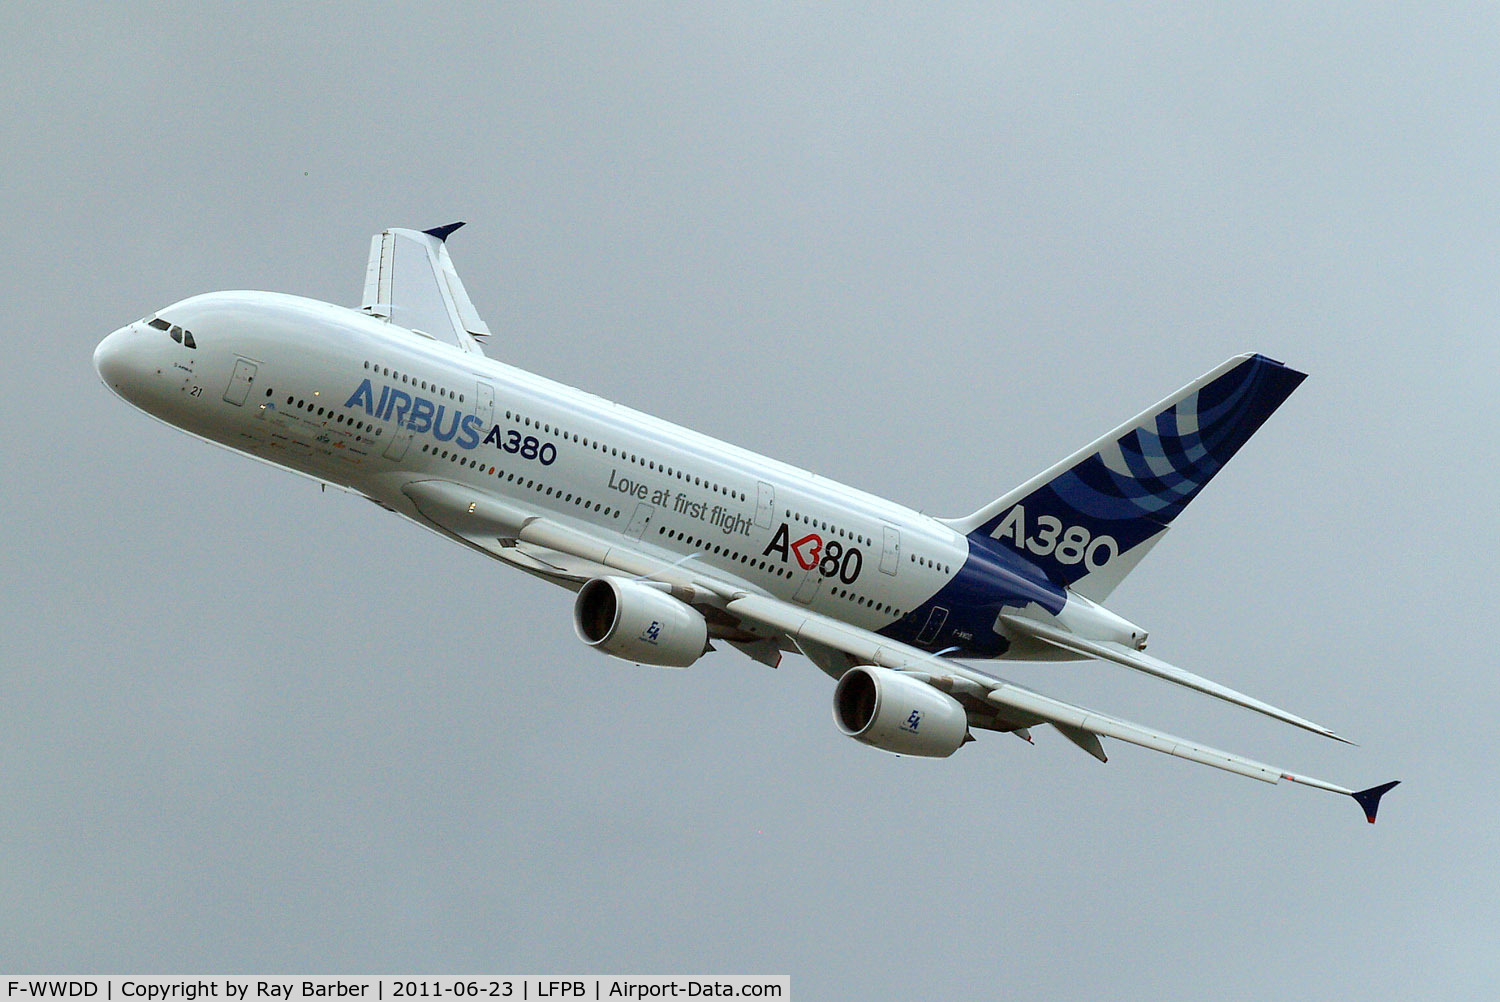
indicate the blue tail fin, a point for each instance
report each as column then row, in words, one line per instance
column 1088, row 520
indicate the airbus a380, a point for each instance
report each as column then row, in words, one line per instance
column 673, row 540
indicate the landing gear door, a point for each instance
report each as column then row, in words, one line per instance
column 239, row 382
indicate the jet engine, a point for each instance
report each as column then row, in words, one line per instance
column 639, row 623
column 898, row 713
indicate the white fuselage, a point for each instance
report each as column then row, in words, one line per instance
column 357, row 402
column 671, row 537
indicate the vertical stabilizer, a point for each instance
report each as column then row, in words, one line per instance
column 411, row 282
column 1089, row 519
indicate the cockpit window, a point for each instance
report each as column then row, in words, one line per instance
column 181, row 336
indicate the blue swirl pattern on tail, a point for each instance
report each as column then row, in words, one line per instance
column 1134, row 482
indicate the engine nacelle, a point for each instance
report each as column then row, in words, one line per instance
column 898, row 713
column 639, row 623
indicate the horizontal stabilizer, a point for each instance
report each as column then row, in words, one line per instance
column 1122, row 655
column 1370, row 799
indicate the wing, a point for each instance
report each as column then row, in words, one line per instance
column 496, row 526
column 411, row 282
column 1015, row 706
column 1122, row 655
column 493, row 526
column 530, row 541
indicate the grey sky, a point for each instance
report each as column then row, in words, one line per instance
column 252, row 727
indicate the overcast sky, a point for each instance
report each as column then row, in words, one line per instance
column 249, row 726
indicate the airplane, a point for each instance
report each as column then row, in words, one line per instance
column 673, row 540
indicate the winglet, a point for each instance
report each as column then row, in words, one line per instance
column 1370, row 799
column 443, row 232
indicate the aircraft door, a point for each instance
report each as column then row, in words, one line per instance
column 765, row 505
column 640, row 521
column 890, row 551
column 808, row 589
column 934, row 625
column 239, row 382
column 484, row 404
column 397, row 446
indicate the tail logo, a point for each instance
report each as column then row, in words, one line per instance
column 1067, row 545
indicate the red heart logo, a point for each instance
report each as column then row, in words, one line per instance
column 806, row 551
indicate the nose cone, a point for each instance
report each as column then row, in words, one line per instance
column 110, row 358
column 130, row 366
